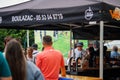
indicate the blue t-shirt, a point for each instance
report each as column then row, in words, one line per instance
column 4, row 67
column 114, row 54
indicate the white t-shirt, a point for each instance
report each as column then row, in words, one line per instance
column 78, row 53
column 35, row 52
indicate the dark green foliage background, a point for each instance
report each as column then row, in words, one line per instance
column 15, row 33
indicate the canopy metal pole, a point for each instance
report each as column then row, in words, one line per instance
column 70, row 39
column 101, row 49
column 71, row 35
column 27, row 38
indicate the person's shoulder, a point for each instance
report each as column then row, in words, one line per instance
column 84, row 51
column 35, row 52
column 1, row 56
column 33, row 72
column 112, row 52
column 40, row 54
column 31, row 65
column 1, row 53
column 75, row 49
column 58, row 51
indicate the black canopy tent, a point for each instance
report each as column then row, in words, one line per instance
column 44, row 12
column 36, row 14
column 62, row 15
column 72, row 15
column 88, row 32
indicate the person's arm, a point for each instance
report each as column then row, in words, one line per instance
column 6, row 78
column 5, row 73
column 68, row 54
column 36, row 72
column 63, row 71
column 38, row 61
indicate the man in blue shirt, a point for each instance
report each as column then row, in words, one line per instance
column 114, row 53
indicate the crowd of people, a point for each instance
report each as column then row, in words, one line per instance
column 47, row 64
column 90, row 57
column 17, row 64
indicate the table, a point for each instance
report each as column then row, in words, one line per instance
column 75, row 77
column 111, row 73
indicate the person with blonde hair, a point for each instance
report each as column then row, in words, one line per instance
column 21, row 69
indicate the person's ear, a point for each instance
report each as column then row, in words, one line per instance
column 43, row 43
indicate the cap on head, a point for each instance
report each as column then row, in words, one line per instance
column 35, row 46
column 80, row 44
column 96, row 43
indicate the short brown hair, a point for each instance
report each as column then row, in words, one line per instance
column 47, row 39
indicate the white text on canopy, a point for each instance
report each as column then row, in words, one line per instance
column 37, row 17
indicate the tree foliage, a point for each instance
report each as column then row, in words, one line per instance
column 15, row 33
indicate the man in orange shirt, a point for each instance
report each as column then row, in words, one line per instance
column 50, row 61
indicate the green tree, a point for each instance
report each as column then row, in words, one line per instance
column 16, row 33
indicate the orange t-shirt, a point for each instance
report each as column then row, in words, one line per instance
column 50, row 61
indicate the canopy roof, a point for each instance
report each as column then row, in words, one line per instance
column 60, row 14
column 93, row 32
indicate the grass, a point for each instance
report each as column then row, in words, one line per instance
column 62, row 43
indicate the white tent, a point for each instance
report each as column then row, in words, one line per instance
column 112, row 43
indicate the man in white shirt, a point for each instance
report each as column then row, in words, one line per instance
column 79, row 51
column 35, row 51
